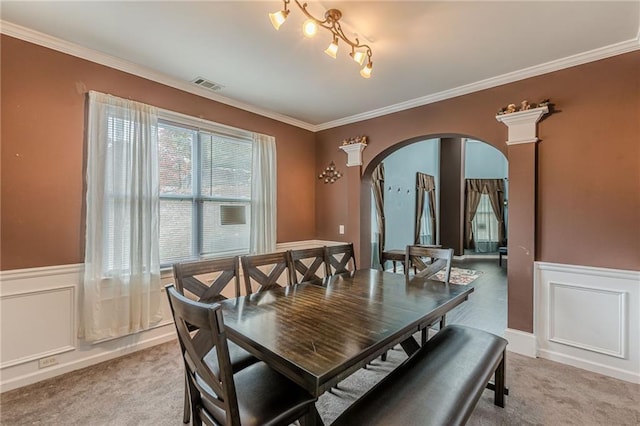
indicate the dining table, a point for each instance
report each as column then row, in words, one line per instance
column 317, row 335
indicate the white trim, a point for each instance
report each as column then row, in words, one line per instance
column 620, row 350
column 521, row 342
column 71, row 336
column 592, row 366
column 522, row 141
column 44, row 271
column 88, row 361
column 612, row 296
column 623, row 274
column 536, row 70
column 292, row 245
column 60, row 45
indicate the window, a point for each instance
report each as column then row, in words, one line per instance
column 205, row 192
column 485, row 227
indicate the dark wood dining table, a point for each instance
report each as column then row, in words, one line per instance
column 318, row 335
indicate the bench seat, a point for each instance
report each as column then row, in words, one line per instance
column 439, row 385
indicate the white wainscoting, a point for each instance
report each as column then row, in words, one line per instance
column 39, row 314
column 589, row 318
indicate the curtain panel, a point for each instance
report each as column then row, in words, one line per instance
column 263, row 195
column 425, row 184
column 474, row 188
column 377, row 183
column 121, row 287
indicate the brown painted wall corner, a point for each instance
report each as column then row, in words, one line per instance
column 43, row 149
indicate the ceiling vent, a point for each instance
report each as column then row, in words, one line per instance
column 207, row 84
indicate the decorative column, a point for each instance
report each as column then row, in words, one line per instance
column 353, row 175
column 521, row 233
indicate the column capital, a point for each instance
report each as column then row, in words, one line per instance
column 522, row 124
column 354, row 153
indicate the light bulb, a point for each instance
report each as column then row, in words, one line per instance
column 358, row 56
column 366, row 71
column 309, row 28
column 278, row 18
column 332, row 49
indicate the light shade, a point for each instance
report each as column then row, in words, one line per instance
column 366, row 71
column 332, row 49
column 358, row 56
column 278, row 18
column 309, row 28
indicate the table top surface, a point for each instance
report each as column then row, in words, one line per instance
column 317, row 334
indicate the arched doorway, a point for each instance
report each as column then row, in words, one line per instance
column 450, row 160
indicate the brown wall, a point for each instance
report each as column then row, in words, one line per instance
column 586, row 179
column 43, row 119
column 585, row 183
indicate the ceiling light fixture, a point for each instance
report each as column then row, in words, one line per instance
column 359, row 52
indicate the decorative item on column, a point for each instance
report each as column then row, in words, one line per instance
column 330, row 173
column 522, row 121
column 354, row 147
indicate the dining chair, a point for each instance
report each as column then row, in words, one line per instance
column 427, row 261
column 338, row 258
column 256, row 395
column 308, row 265
column 263, row 271
column 206, row 281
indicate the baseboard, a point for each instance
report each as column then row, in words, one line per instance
column 521, row 342
column 594, row 367
column 167, row 334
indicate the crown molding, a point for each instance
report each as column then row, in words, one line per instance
column 76, row 50
column 536, row 70
column 73, row 49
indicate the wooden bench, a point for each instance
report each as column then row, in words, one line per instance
column 439, row 385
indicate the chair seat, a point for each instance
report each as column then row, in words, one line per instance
column 240, row 359
column 265, row 397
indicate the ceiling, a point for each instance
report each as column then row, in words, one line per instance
column 423, row 51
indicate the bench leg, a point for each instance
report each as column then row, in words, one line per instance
column 498, row 397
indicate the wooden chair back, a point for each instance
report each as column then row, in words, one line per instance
column 428, row 260
column 265, row 270
column 218, row 389
column 208, row 279
column 340, row 259
column 308, row 265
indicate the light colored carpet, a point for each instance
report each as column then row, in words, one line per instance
column 146, row 388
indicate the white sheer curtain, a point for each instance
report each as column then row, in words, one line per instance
column 263, row 195
column 425, row 226
column 121, row 292
column 485, row 227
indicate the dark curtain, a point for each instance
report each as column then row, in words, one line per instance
column 474, row 188
column 425, row 184
column 377, row 182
